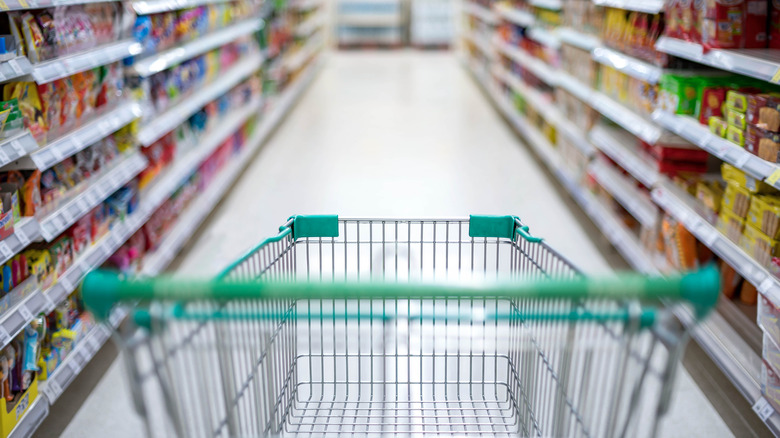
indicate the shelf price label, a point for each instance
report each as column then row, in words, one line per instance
column 25, row 312
column 763, row 409
column 773, row 178
column 776, row 77
column 53, row 389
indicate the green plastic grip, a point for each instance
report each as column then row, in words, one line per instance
column 499, row 227
column 102, row 290
column 315, row 226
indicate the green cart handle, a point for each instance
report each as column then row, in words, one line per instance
column 102, row 290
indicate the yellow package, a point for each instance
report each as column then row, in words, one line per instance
column 740, row 178
column 679, row 245
column 736, row 199
column 764, row 215
column 710, row 193
column 758, row 245
column 730, row 224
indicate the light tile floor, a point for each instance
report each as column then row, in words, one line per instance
column 387, row 134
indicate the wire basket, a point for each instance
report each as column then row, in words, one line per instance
column 404, row 327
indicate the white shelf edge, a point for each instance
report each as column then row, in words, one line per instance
column 618, row 235
column 80, row 138
column 19, row 5
column 16, row 147
column 641, row 208
column 300, row 57
column 629, row 65
column 310, row 25
column 514, row 15
column 97, row 191
column 370, row 20
column 482, row 43
column 545, row 37
column 32, row 418
column 178, row 113
column 578, row 39
column 554, row 5
column 628, row 119
column 627, row 159
column 59, row 68
column 689, row 129
column 303, row 5
column 69, row 369
column 536, row 66
column 15, row 68
column 146, row 7
column 647, row 6
column 481, row 12
column 763, row 64
column 25, row 231
column 168, row 58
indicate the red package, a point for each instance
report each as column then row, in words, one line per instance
column 673, row 19
column 735, row 24
column 774, row 26
column 711, row 103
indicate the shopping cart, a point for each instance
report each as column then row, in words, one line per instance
column 378, row 326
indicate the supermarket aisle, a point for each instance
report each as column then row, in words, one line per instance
column 388, row 134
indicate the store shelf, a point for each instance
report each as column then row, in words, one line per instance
column 626, row 64
column 16, row 147
column 78, row 358
column 613, row 229
column 545, row 37
column 762, row 64
column 514, row 15
column 304, row 5
column 309, row 26
column 683, row 208
column 31, row 302
column 481, row 42
column 56, row 222
column 578, row 39
column 146, row 7
column 176, row 55
column 625, row 193
column 25, row 231
column 90, row 133
column 33, row 418
column 733, row 355
column 184, row 166
column 555, row 5
column 15, row 68
column 481, row 12
column 536, row 66
column 648, row 6
column 68, row 65
column 370, row 20
column 16, row 5
column 689, row 129
column 191, row 219
column 628, row 119
column 614, row 143
column 298, row 59
column 176, row 115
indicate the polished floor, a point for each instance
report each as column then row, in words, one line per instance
column 384, row 134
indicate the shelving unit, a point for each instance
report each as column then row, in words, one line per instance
column 516, row 16
column 21, row 151
column 176, row 55
column 762, row 64
column 178, row 113
column 61, row 67
column 735, row 356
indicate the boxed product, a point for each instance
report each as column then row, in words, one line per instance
column 740, row 178
column 764, row 214
column 735, row 24
column 730, row 224
column 758, row 245
column 679, row 244
column 736, row 199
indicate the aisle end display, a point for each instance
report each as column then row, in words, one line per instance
column 114, row 115
column 662, row 120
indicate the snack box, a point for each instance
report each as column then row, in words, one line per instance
column 676, row 151
column 730, row 224
column 763, row 110
column 13, row 411
column 764, row 214
column 758, row 245
column 736, row 176
column 763, row 143
column 718, row 126
column 735, row 24
column 710, row 193
column 736, row 199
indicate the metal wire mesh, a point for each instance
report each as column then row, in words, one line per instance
column 404, row 367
